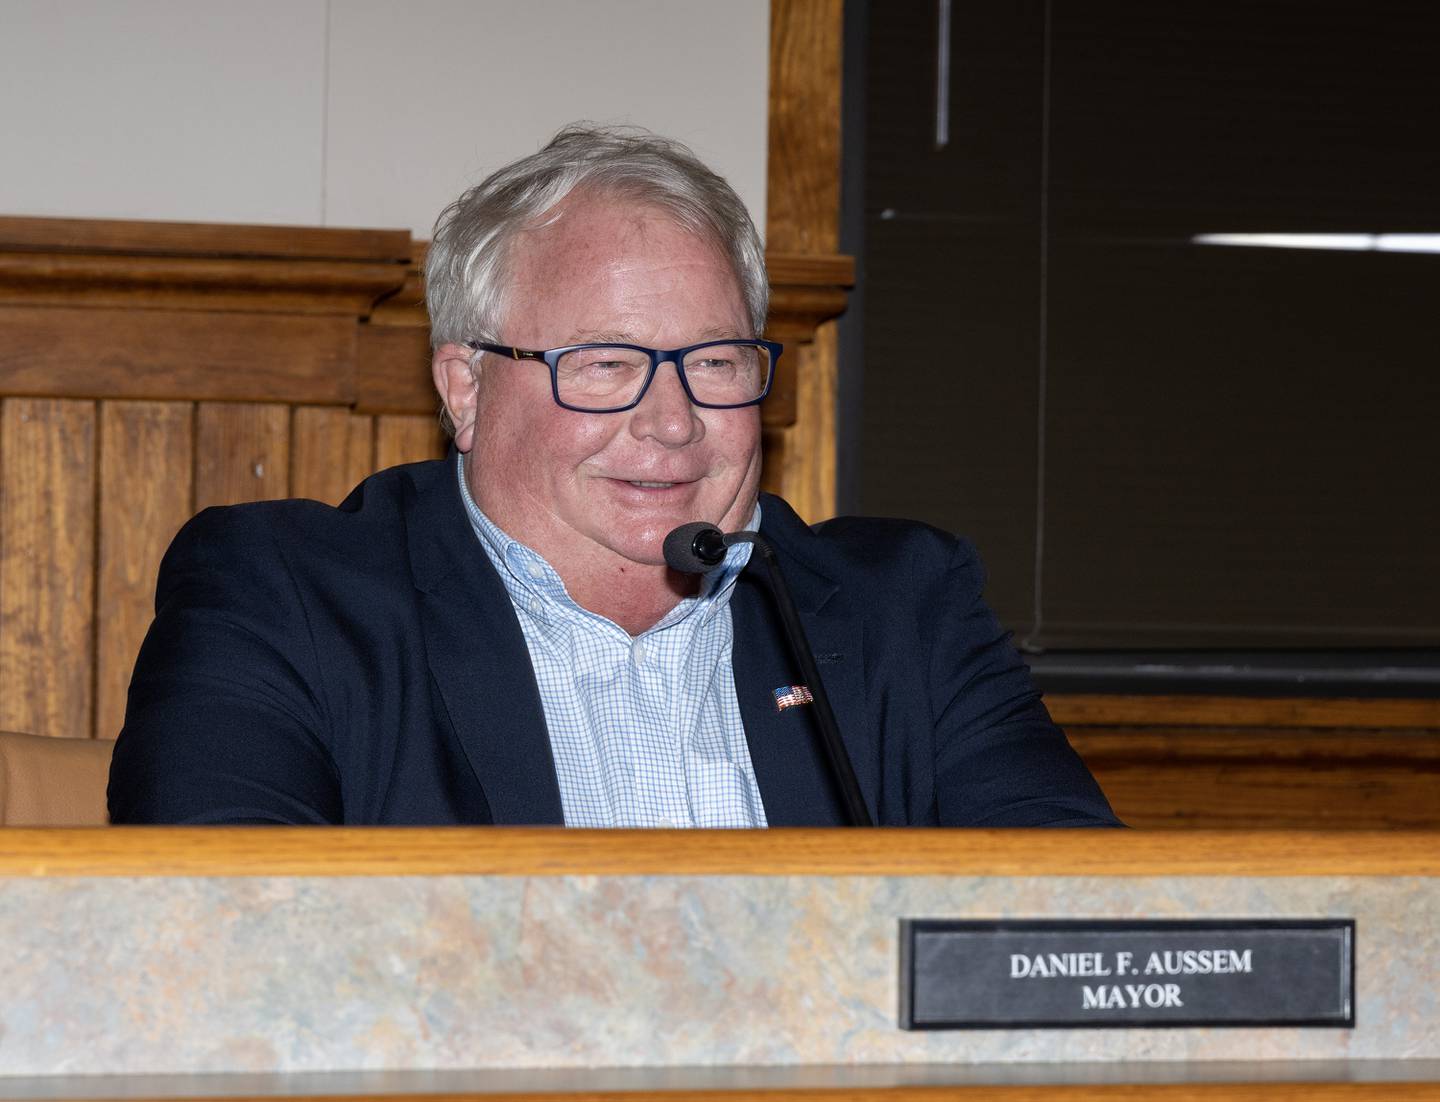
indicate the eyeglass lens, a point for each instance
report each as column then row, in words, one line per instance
column 600, row 377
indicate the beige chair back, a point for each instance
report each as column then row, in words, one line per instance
column 53, row 781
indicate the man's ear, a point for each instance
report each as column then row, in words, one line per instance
column 456, row 382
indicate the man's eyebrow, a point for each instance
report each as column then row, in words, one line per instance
column 608, row 337
column 615, row 337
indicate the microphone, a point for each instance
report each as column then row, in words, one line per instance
column 697, row 547
column 694, row 548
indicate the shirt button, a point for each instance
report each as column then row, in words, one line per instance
column 665, row 824
column 637, row 651
column 535, row 570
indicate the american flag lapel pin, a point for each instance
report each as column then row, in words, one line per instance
column 789, row 696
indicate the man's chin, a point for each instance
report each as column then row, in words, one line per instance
column 647, row 547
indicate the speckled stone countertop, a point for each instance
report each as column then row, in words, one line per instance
column 314, row 973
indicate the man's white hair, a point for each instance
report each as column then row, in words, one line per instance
column 465, row 272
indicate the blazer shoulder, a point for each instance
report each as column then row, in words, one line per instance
column 870, row 545
column 370, row 524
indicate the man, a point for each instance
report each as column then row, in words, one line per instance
column 496, row 637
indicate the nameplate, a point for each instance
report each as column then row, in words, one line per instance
column 1128, row 974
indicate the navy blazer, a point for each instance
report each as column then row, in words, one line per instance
column 364, row 665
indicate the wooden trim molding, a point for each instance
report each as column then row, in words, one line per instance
column 1100, row 710
column 273, row 285
column 517, row 851
column 1085, row 1081
column 198, row 266
column 192, row 312
column 807, row 291
column 97, row 236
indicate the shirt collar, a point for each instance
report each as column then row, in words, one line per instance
column 525, row 571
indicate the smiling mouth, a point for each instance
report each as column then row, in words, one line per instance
column 652, row 485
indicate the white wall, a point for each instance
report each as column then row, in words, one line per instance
column 352, row 112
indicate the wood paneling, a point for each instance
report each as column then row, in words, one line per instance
column 331, row 449
column 809, row 464
column 803, row 219
column 151, row 318
column 242, row 453
column 176, row 354
column 146, row 494
column 541, row 851
column 802, row 201
column 392, row 369
column 400, row 439
column 47, row 565
column 1252, row 763
column 1247, row 779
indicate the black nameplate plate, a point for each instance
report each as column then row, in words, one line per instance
column 1089, row 974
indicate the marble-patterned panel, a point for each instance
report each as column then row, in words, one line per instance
column 319, row 974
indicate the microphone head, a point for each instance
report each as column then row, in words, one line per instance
column 694, row 548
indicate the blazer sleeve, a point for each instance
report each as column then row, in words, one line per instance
column 1000, row 760
column 224, row 720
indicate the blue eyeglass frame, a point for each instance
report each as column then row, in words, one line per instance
column 551, row 358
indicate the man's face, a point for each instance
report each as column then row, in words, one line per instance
column 597, row 492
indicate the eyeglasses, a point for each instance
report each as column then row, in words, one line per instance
column 611, row 378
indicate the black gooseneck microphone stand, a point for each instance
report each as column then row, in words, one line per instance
column 695, row 548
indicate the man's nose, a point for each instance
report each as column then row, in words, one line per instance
column 665, row 413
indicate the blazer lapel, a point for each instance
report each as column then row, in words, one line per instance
column 480, row 662
column 785, row 748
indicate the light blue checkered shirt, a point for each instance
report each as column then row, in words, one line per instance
column 646, row 732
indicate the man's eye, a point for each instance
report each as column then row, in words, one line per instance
column 602, row 361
